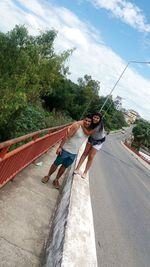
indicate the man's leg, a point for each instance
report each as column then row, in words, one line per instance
column 59, row 174
column 51, row 171
column 67, row 161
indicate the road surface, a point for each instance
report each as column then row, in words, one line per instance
column 120, row 194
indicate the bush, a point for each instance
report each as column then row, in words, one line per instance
column 57, row 118
column 24, row 121
column 31, row 119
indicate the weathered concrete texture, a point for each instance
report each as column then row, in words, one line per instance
column 79, row 246
column 26, row 207
column 54, row 248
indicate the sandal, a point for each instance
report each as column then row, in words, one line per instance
column 45, row 179
column 56, row 184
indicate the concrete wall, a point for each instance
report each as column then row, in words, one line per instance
column 71, row 242
column 55, row 242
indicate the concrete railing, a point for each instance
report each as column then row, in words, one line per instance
column 71, row 242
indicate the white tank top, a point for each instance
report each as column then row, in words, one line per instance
column 73, row 144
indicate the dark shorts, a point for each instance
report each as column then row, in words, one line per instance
column 97, row 144
column 65, row 159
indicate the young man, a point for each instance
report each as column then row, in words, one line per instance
column 67, row 151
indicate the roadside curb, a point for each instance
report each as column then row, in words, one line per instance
column 79, row 246
column 144, row 163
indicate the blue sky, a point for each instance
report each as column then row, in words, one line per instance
column 106, row 33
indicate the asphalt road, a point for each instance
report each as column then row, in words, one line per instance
column 120, row 194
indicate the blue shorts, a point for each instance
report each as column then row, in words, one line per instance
column 65, row 158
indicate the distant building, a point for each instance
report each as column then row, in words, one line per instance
column 118, row 103
column 131, row 116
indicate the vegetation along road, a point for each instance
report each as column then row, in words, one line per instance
column 120, row 192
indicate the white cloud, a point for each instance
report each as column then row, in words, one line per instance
column 91, row 56
column 33, row 6
column 126, row 11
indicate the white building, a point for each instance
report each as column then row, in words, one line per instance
column 118, row 102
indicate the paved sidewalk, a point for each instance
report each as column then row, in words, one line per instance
column 26, row 207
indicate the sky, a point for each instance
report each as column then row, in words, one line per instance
column 107, row 35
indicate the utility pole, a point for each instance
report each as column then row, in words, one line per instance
column 119, row 78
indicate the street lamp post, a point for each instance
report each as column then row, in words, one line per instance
column 132, row 61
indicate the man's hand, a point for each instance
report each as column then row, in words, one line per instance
column 80, row 123
column 59, row 151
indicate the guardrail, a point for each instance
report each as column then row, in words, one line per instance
column 12, row 162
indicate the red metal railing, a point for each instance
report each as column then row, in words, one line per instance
column 12, row 162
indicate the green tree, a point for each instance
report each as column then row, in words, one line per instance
column 28, row 68
column 74, row 99
column 26, row 120
column 33, row 78
column 141, row 134
column 87, row 96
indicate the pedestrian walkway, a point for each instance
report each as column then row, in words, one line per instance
column 26, row 208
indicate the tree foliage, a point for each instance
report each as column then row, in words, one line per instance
column 141, row 134
column 28, row 68
column 34, row 86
